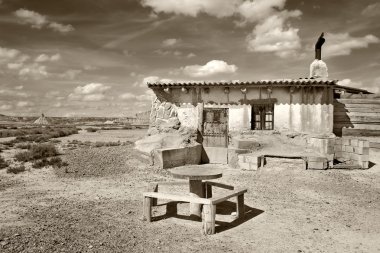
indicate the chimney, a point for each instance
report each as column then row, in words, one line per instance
column 318, row 68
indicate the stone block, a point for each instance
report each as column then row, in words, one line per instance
column 338, row 141
column 365, row 165
column 252, row 159
column 338, row 154
column 248, row 166
column 363, row 158
column 354, row 142
column 363, row 143
column 233, row 156
column 349, row 149
column 330, row 157
column 317, row 165
column 173, row 157
column 337, row 148
column 245, row 144
column 346, row 141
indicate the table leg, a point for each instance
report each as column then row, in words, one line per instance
column 196, row 190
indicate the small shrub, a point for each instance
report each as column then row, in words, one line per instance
column 16, row 170
column 23, row 145
column 91, row 129
column 54, row 161
column 23, row 156
column 3, row 163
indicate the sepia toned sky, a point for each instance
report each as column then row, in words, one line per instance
column 93, row 57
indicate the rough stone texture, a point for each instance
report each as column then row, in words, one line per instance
column 352, row 150
column 163, row 117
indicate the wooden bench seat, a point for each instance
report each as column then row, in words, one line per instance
column 208, row 204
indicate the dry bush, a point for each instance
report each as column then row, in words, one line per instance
column 37, row 151
column 54, row 161
column 3, row 163
column 91, row 129
column 16, row 169
column 25, row 145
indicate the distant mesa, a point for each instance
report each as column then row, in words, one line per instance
column 42, row 120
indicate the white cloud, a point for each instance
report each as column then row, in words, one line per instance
column 6, row 107
column 70, row 74
column 61, row 28
column 20, row 87
column 127, row 96
column 91, row 88
column 257, row 10
column 89, row 92
column 344, row 43
column 147, row 96
column 210, row 68
column 31, row 17
column 372, row 10
column 45, row 58
column 190, row 55
column 272, row 35
column 14, row 66
column 24, row 104
column 34, row 70
column 39, row 21
column 7, row 54
column 217, row 8
column 170, row 42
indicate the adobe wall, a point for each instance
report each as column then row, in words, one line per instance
column 307, row 109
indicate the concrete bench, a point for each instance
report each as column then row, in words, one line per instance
column 208, row 204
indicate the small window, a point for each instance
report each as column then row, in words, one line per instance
column 262, row 117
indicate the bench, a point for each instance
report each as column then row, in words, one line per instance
column 208, row 203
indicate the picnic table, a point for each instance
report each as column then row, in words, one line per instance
column 195, row 175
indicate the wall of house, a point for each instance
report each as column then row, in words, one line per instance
column 307, row 109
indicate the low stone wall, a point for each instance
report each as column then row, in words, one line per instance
column 173, row 157
column 345, row 149
column 352, row 149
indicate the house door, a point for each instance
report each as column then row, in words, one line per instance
column 215, row 135
column 262, row 117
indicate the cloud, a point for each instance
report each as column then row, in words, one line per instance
column 127, row 96
column 32, row 18
column 91, row 88
column 169, row 42
column 253, row 11
column 20, row 87
column 210, row 68
column 34, row 70
column 343, row 43
column 217, row 8
column 45, row 58
column 5, row 107
column 38, row 21
column 70, row 74
column 7, row 54
column 272, row 35
column 24, row 104
column 372, row 10
column 89, row 92
column 61, row 28
column 190, row 55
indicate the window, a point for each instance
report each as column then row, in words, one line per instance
column 262, row 117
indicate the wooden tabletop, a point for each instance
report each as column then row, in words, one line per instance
column 196, row 173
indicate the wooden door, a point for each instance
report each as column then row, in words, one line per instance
column 215, row 135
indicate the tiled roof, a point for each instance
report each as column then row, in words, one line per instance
column 275, row 82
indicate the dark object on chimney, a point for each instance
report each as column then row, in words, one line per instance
column 318, row 47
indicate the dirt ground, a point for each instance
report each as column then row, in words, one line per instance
column 95, row 205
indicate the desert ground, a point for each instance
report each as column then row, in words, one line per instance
column 95, row 205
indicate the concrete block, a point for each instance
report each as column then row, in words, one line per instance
column 337, row 148
column 338, row 141
column 346, row 155
column 317, row 165
column 215, row 155
column 363, row 143
column 248, row 166
column 365, row 165
column 233, row 155
column 330, row 150
column 354, row 142
column 252, row 159
column 349, row 149
column 339, row 154
column 173, row 157
column 245, row 143
column 346, row 141
column 330, row 157
column 316, row 159
column 363, row 158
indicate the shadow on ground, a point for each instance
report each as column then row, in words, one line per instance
column 223, row 215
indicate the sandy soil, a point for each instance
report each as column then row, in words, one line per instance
column 96, row 207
